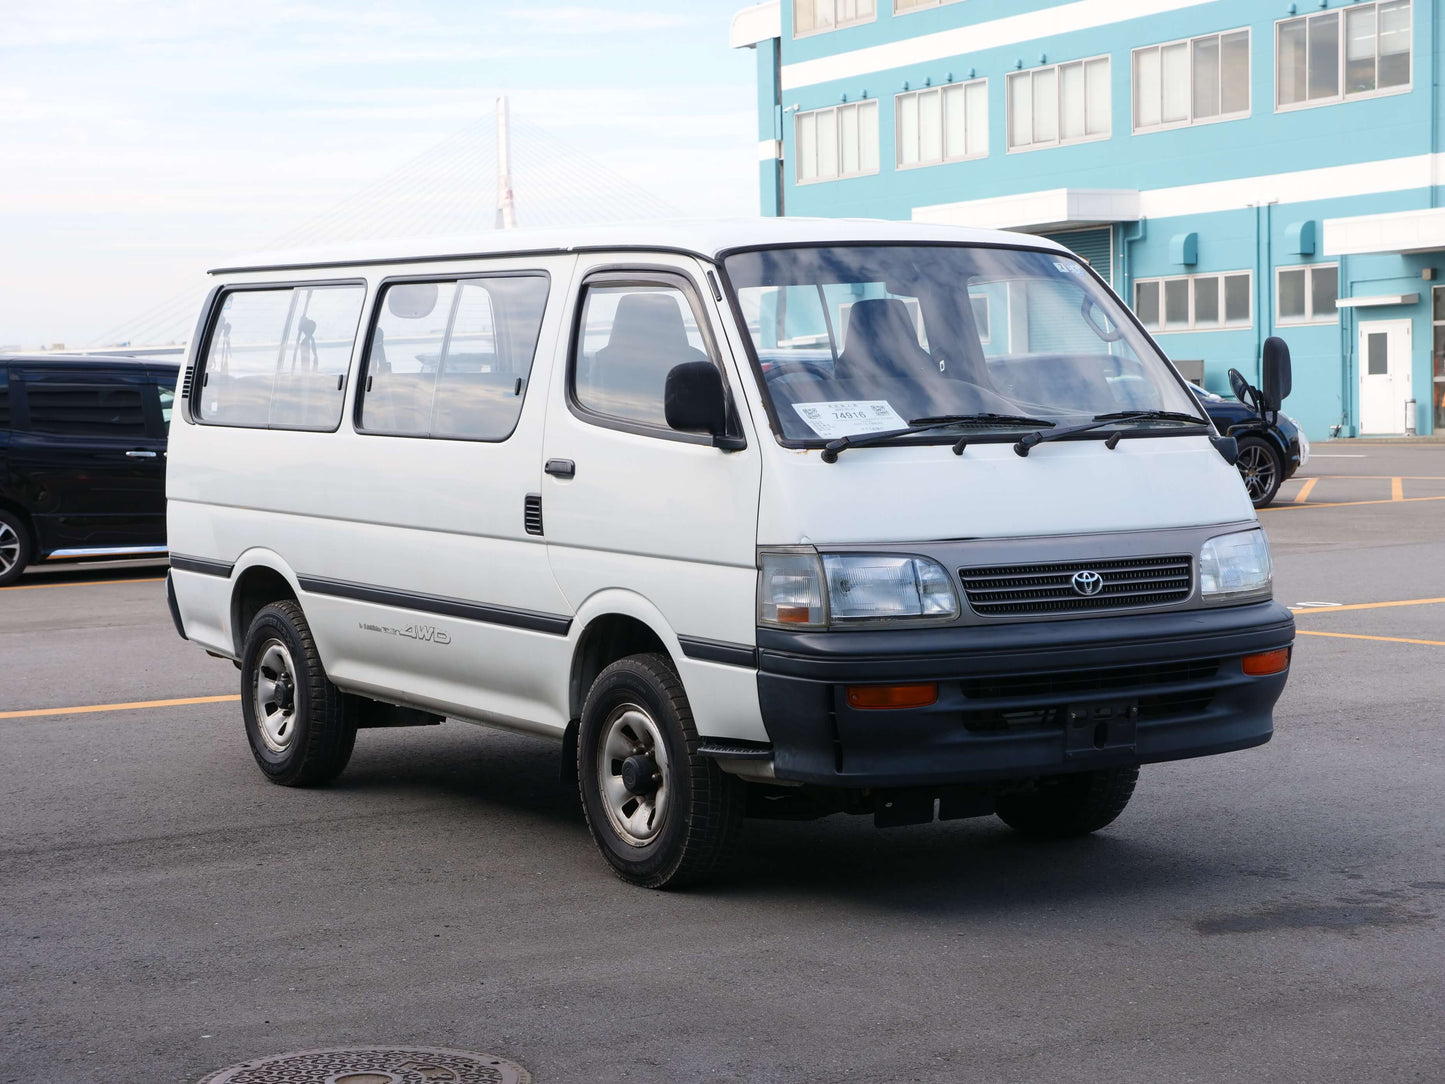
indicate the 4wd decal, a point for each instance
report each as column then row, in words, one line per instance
column 425, row 633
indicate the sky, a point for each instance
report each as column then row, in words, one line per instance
column 142, row 142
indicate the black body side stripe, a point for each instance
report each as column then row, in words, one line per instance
column 555, row 624
column 201, row 565
column 695, row 647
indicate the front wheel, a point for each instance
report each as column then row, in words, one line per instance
column 14, row 547
column 1066, row 806
column 662, row 815
column 295, row 718
column 1262, row 468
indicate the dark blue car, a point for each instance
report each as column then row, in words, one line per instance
column 1268, row 454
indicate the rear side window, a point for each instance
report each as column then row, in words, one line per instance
column 451, row 359
column 76, row 408
column 631, row 338
column 277, row 358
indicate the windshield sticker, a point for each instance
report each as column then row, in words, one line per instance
column 850, row 417
column 1068, row 268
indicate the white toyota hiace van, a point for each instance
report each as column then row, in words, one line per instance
column 769, row 517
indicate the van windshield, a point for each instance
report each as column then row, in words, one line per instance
column 865, row 339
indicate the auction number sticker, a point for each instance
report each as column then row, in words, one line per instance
column 850, row 417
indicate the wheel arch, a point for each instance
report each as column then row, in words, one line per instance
column 258, row 579
column 609, row 626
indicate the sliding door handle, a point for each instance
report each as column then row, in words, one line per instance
column 561, row 468
column 141, row 455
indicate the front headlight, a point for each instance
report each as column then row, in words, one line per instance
column 803, row 590
column 1235, row 567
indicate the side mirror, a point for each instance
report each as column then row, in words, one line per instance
column 1227, row 447
column 1277, row 376
column 1240, row 387
column 694, row 399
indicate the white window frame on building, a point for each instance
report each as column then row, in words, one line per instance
column 830, row 15
column 949, row 122
column 1195, row 292
column 1342, row 19
column 1310, row 316
column 1040, row 82
column 837, row 117
column 908, row 7
column 1192, row 108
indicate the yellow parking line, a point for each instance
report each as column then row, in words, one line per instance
column 133, row 706
column 1397, row 489
column 1343, row 504
column 82, row 583
column 1358, row 636
column 1305, row 490
column 1367, row 606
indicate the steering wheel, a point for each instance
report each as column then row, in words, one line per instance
column 1086, row 309
column 799, row 367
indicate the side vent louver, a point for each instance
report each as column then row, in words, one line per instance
column 186, row 382
column 532, row 513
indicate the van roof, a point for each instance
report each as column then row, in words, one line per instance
column 706, row 238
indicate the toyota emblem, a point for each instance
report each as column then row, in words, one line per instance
column 1088, row 584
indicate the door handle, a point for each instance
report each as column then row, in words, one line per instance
column 561, row 468
column 141, row 455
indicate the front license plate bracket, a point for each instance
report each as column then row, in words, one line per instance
column 1100, row 731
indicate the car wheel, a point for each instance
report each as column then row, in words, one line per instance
column 296, row 719
column 1261, row 467
column 15, row 549
column 1066, row 806
column 662, row 815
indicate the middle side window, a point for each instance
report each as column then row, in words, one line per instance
column 451, row 359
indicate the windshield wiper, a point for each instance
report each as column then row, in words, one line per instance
column 924, row 425
column 1028, row 441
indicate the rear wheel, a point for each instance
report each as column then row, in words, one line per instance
column 296, row 719
column 14, row 547
column 1262, row 468
column 662, row 815
column 1069, row 805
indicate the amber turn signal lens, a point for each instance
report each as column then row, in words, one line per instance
column 1267, row 662
column 873, row 697
column 793, row 615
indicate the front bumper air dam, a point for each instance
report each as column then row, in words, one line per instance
column 1173, row 681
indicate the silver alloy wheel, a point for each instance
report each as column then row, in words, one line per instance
column 9, row 548
column 637, row 812
column 274, row 696
column 1256, row 467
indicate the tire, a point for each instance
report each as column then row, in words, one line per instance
column 684, row 818
column 15, row 547
column 1068, row 806
column 1262, row 468
column 296, row 719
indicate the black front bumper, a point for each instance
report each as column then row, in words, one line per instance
column 1023, row 700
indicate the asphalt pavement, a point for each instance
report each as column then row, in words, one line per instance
column 1271, row 915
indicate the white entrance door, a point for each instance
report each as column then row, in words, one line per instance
column 1384, row 375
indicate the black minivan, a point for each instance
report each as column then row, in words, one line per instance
column 82, row 458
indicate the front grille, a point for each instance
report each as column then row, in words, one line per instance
column 1025, row 590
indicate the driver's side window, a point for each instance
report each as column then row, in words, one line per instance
column 629, row 338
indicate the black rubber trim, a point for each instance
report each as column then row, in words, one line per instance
column 554, row 624
column 202, row 565
column 174, row 607
column 735, row 749
column 695, row 647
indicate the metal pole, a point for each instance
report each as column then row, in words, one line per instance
column 506, row 208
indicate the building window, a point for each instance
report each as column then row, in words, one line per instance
column 945, row 124
column 1195, row 302
column 819, row 16
column 1336, row 55
column 1307, row 295
column 837, row 142
column 1064, row 103
column 903, row 7
column 1196, row 81
column 1437, row 358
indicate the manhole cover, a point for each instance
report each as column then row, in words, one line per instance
column 373, row 1065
